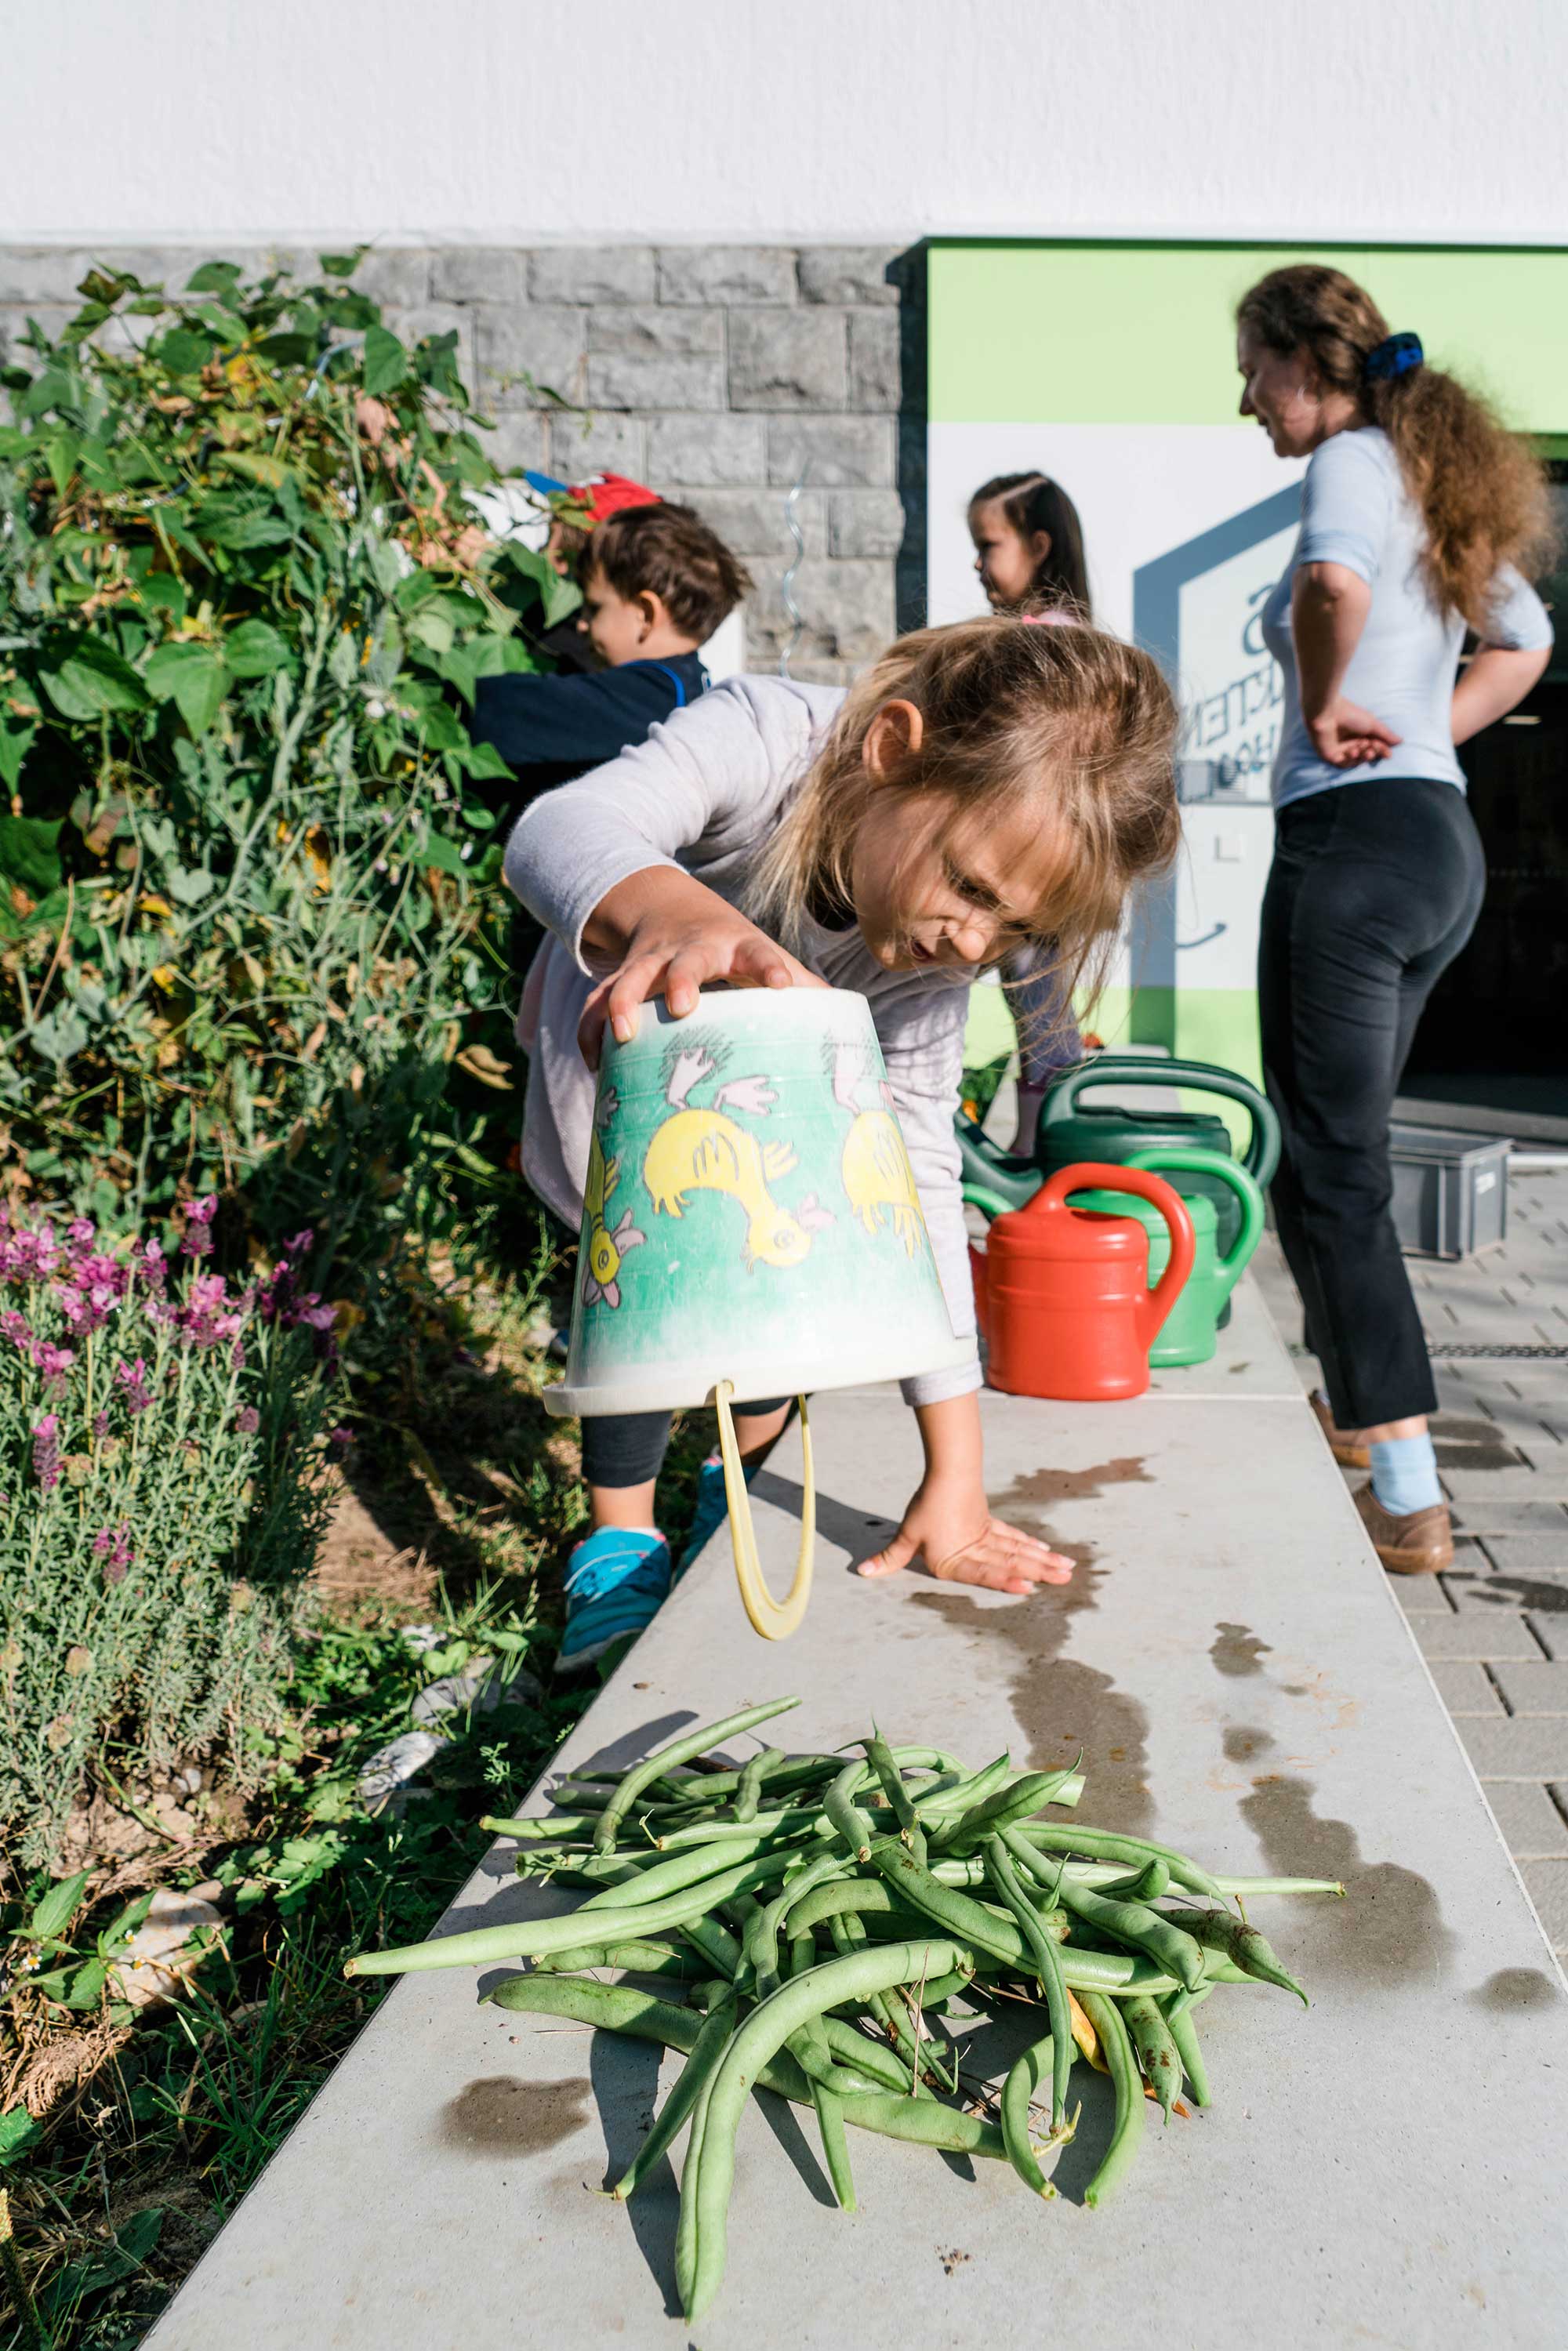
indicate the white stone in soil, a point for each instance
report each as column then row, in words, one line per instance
column 156, row 1963
column 390, row 1765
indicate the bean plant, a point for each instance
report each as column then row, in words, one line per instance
column 251, row 931
column 161, row 1441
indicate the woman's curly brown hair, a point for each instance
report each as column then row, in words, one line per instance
column 1481, row 491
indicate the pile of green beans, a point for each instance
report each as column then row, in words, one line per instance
column 808, row 1920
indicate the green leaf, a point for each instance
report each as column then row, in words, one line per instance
column 386, row 360
column 342, row 265
column 256, row 466
column 256, row 649
column 59, row 1036
column 183, row 351
column 188, row 886
column 119, row 1929
column 18, row 2133
column 58, row 1908
column 84, row 677
column 29, row 853
column 191, row 676
column 15, row 742
column 162, row 593
column 446, row 856
column 485, row 763
column 241, row 528
column 213, row 277
column 86, row 1985
column 223, row 323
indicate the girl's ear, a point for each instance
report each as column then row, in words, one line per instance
column 895, row 735
column 1040, row 543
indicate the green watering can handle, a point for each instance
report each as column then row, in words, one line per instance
column 1202, row 1077
column 991, row 1204
column 1230, row 1170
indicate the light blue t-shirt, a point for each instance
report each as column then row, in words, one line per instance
column 1356, row 511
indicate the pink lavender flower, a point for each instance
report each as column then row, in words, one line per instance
column 46, row 1451
column 341, row 1438
column 100, row 1426
column 54, row 1363
column 133, row 1378
column 82, row 1230
column 31, row 1252
column 209, row 1315
column 150, row 1265
column 18, row 1329
column 198, row 1241
column 299, row 1243
column 112, row 1545
column 247, row 1420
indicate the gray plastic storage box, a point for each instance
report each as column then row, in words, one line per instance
column 1450, row 1190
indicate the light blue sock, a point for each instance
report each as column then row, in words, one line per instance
column 1405, row 1474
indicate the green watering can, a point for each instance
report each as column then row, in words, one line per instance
column 1067, row 1135
column 1188, row 1335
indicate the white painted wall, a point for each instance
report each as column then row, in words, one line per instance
column 828, row 120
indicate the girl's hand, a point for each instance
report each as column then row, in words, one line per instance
column 1345, row 735
column 950, row 1525
column 669, row 936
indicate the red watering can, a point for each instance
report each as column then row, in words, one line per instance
column 1062, row 1293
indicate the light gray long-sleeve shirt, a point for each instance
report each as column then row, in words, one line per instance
column 704, row 794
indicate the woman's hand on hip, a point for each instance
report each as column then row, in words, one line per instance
column 1345, row 735
column 669, row 935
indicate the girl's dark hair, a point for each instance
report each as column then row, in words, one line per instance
column 669, row 551
column 1034, row 502
column 1481, row 491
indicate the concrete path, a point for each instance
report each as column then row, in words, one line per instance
column 1495, row 1632
column 1387, row 2169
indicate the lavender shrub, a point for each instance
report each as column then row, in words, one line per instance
column 160, row 1504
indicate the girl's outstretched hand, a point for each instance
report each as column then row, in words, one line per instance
column 669, row 935
column 949, row 1525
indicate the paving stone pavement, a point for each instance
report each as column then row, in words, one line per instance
column 1495, row 1630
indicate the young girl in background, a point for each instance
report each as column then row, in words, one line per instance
column 981, row 786
column 1029, row 549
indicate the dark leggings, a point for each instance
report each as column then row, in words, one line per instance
column 1374, row 889
column 627, row 1448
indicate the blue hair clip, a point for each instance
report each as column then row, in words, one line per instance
column 1394, row 356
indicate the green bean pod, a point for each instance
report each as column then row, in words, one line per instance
column 688, row 1867
column 835, row 2144
column 706, row 2050
column 637, row 1958
column 845, row 1815
column 535, row 1939
column 683, row 1750
column 757, row 2039
column 749, row 1792
column 1105, row 2016
column 1158, row 2052
column 1150, row 1931
column 1183, row 2032
column 969, row 1832
column 881, row 1758
column 1020, row 2087
column 1047, row 1961
column 969, row 1921
column 1138, row 1852
column 1244, row 1947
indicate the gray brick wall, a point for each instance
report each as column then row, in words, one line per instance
column 720, row 374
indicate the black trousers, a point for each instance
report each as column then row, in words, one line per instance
column 1374, row 889
column 627, row 1448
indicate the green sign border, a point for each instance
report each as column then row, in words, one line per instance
column 1119, row 332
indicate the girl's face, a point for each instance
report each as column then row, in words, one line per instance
column 931, row 888
column 1281, row 391
column 1006, row 560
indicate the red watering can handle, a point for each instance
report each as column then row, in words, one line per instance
column 1094, row 1176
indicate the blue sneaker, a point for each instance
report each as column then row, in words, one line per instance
column 616, row 1580
column 712, row 1511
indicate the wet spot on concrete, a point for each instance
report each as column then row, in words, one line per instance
column 1393, row 1923
column 1463, row 1442
column 1243, row 1741
column 499, row 2115
column 1529, row 1591
column 1237, row 1650
column 1517, row 1989
column 1237, row 1368
column 1061, row 1704
column 1047, row 1485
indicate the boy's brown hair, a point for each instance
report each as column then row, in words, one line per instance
column 670, row 552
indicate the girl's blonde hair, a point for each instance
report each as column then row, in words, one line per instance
column 1067, row 719
column 1481, row 490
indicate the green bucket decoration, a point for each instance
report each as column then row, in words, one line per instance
column 750, row 1228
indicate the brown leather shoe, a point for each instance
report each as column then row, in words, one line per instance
column 1348, row 1451
column 1418, row 1542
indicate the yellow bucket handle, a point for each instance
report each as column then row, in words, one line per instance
column 774, row 1619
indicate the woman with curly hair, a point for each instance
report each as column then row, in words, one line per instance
column 1420, row 514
